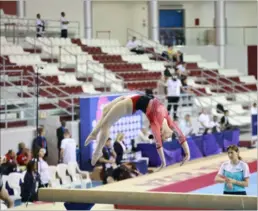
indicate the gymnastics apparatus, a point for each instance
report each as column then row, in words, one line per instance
column 139, row 193
column 160, row 123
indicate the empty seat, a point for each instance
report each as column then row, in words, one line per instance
column 249, row 79
column 12, row 50
column 193, row 58
column 49, row 70
column 229, row 72
column 26, row 59
column 116, row 50
column 69, row 79
column 89, row 88
column 208, row 65
column 100, row 42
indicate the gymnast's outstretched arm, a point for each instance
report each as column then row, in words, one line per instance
column 182, row 139
column 157, row 136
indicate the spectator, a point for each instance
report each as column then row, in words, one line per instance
column 204, row 121
column 29, row 188
column 40, row 142
column 24, row 157
column 134, row 46
column 187, row 90
column 40, row 26
column 68, row 149
column 125, row 171
column 64, row 26
column 107, row 160
column 21, row 146
column 215, row 125
column 174, row 87
column 254, row 109
column 119, row 148
column 186, row 125
column 171, row 54
column 3, row 192
column 224, row 121
column 182, row 69
column 43, row 169
column 60, row 136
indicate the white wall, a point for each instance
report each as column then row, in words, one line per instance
column 118, row 16
column 11, row 137
column 51, row 9
column 236, row 56
column 240, row 16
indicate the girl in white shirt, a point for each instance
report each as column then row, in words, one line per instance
column 43, row 169
column 234, row 173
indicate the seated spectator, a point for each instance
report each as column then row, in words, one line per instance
column 21, row 146
column 135, row 46
column 182, row 69
column 119, row 148
column 3, row 192
column 24, row 157
column 186, row 125
column 9, row 163
column 254, row 109
column 215, row 125
column 31, row 183
column 171, row 54
column 40, row 142
column 204, row 120
column 107, row 160
column 43, row 169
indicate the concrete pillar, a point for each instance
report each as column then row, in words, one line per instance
column 154, row 19
column 220, row 26
column 88, row 19
column 20, row 8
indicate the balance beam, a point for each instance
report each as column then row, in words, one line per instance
column 160, row 199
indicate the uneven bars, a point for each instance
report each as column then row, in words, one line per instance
column 158, row 199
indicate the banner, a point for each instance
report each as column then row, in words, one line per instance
column 90, row 113
column 254, row 125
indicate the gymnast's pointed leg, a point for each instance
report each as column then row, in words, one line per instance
column 120, row 109
column 106, row 109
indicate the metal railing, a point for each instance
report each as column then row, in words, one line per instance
column 17, row 27
column 242, row 35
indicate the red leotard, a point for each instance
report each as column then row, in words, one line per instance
column 156, row 113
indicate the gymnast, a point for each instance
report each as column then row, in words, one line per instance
column 160, row 123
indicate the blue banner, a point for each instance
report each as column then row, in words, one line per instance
column 90, row 113
column 254, row 125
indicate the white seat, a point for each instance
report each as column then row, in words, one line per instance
column 54, row 181
column 89, row 88
column 229, row 72
column 82, row 177
column 236, row 109
column 62, row 174
column 69, row 79
column 49, row 70
column 208, row 65
column 14, row 180
column 193, row 58
column 249, row 79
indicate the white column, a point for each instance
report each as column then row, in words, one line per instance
column 220, row 26
column 20, row 8
column 88, row 19
column 154, row 20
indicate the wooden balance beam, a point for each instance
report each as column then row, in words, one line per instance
column 138, row 191
column 160, row 199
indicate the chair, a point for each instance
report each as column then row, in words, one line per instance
column 54, row 181
column 14, row 179
column 75, row 172
column 62, row 175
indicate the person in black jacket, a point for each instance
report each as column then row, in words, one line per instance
column 29, row 188
column 60, row 136
column 119, row 148
column 40, row 142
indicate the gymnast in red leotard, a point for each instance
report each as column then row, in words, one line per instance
column 161, row 124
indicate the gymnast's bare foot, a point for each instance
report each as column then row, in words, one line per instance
column 90, row 138
column 95, row 157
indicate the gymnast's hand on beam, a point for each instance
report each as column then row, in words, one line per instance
column 186, row 158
